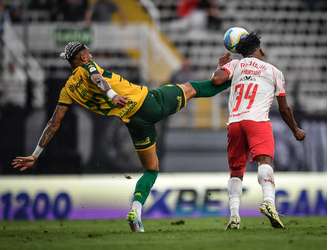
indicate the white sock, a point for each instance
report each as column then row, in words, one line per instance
column 138, row 207
column 266, row 180
column 234, row 191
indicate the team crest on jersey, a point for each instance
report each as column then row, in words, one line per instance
column 92, row 69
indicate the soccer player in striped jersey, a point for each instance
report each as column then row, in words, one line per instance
column 107, row 93
column 253, row 87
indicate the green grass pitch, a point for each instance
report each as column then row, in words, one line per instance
column 165, row 234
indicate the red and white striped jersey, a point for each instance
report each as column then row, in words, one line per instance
column 253, row 87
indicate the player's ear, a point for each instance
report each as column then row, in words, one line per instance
column 262, row 52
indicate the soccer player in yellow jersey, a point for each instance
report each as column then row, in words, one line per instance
column 109, row 94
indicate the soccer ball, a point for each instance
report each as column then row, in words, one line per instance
column 232, row 38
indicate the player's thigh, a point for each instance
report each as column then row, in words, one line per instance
column 171, row 98
column 237, row 150
column 143, row 135
column 260, row 139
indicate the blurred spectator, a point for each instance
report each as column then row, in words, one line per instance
column 197, row 16
column 212, row 11
column 3, row 17
column 192, row 19
column 72, row 10
column 41, row 4
column 184, row 74
column 12, row 115
column 185, row 7
column 15, row 9
column 41, row 10
column 13, row 86
column 103, row 10
column 314, row 5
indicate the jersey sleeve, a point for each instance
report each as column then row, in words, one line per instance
column 279, row 83
column 230, row 67
column 91, row 68
column 64, row 98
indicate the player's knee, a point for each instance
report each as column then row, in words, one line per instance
column 235, row 187
column 151, row 164
column 265, row 174
column 237, row 171
column 263, row 159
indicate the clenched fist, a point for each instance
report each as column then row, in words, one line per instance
column 299, row 134
column 119, row 100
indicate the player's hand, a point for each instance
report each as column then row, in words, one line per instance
column 23, row 163
column 299, row 134
column 119, row 100
column 223, row 60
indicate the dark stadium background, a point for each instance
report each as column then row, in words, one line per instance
column 294, row 37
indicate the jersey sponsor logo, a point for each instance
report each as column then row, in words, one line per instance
column 251, row 72
column 72, row 87
column 129, row 106
column 253, row 64
column 179, row 99
column 247, row 78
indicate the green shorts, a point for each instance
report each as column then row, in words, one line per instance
column 159, row 103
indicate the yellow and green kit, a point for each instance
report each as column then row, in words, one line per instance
column 143, row 109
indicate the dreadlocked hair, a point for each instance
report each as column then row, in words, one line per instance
column 248, row 44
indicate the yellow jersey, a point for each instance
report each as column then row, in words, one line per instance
column 80, row 89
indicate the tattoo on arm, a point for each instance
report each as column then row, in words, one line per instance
column 47, row 135
column 100, row 82
column 53, row 125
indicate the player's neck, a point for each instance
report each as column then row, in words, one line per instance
column 257, row 56
column 76, row 64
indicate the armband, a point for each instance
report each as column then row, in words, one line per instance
column 111, row 93
column 37, row 151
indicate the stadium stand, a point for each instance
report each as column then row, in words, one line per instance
column 294, row 38
column 293, row 35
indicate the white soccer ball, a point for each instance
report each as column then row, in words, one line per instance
column 232, row 38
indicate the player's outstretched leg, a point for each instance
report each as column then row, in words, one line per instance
column 266, row 180
column 234, row 191
column 207, row 88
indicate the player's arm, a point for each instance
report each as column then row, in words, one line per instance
column 288, row 117
column 49, row 131
column 222, row 74
column 100, row 81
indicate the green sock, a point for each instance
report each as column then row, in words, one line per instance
column 144, row 185
column 208, row 89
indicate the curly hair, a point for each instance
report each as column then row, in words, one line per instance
column 248, row 44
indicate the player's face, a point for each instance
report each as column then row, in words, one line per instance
column 85, row 55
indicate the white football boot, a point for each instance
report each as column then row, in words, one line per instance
column 234, row 223
column 269, row 210
column 135, row 224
